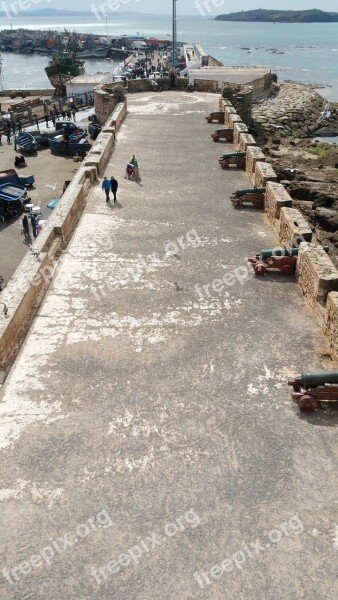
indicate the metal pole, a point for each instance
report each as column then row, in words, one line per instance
column 174, row 34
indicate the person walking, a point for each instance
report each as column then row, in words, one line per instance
column 34, row 225
column 114, row 186
column 8, row 135
column 74, row 114
column 19, row 126
column 53, row 118
column 25, row 227
column 37, row 122
column 106, row 186
column 47, row 120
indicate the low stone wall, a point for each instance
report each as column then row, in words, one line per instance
column 26, row 289
column 276, row 198
column 331, row 321
column 207, row 86
column 245, row 140
column 140, row 85
column 264, row 173
column 293, row 228
column 254, row 154
column 316, row 274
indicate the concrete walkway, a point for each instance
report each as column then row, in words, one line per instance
column 150, row 449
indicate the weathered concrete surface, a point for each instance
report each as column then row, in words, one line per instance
column 150, row 401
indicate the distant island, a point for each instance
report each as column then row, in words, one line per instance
column 261, row 15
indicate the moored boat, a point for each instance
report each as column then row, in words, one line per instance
column 64, row 65
column 25, row 142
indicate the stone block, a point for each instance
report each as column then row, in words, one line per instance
column 316, row 274
column 238, row 129
column 253, row 155
column 293, row 228
column 246, row 140
column 276, row 198
column 264, row 173
column 331, row 321
column 234, row 118
column 229, row 110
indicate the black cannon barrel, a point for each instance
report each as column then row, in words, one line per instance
column 225, row 130
column 270, row 252
column 255, row 190
column 315, row 379
column 233, row 154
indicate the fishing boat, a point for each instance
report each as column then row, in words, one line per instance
column 94, row 129
column 64, row 64
column 75, row 143
column 11, row 192
column 94, row 53
column 25, row 142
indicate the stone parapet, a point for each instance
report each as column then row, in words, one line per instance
column 316, row 274
column 223, row 102
column 331, row 321
column 26, row 289
column 245, row 140
column 264, row 173
column 253, row 155
column 238, row 129
column 276, row 198
column 293, row 228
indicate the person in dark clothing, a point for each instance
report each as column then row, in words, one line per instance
column 19, row 126
column 34, row 225
column 13, row 128
column 37, row 122
column 114, row 185
column 53, row 118
column 63, row 114
column 25, row 227
column 47, row 120
column 8, row 136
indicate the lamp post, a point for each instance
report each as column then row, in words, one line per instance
column 174, row 34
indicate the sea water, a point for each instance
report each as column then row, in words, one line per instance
column 302, row 52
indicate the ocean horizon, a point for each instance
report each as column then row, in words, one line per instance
column 302, row 52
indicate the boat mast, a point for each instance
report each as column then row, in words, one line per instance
column 174, row 34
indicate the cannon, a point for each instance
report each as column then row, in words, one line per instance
column 276, row 259
column 227, row 135
column 311, row 388
column 254, row 196
column 217, row 117
column 237, row 159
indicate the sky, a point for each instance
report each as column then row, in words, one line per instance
column 185, row 7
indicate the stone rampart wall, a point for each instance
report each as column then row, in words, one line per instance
column 316, row 275
column 26, row 289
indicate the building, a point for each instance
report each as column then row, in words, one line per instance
column 85, row 84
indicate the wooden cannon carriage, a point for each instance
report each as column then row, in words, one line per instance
column 236, row 159
column 226, row 135
column 217, row 117
column 311, row 388
column 254, row 196
column 276, row 259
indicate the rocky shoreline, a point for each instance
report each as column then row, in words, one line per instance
column 285, row 125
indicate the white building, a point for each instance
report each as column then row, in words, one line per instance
column 86, row 83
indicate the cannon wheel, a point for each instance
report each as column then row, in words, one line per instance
column 287, row 270
column 260, row 269
column 238, row 203
column 307, row 403
column 258, row 203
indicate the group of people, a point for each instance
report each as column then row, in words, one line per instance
column 34, row 224
column 110, row 185
column 10, row 128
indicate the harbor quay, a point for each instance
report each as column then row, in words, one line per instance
column 149, row 444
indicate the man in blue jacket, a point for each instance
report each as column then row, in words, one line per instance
column 106, row 186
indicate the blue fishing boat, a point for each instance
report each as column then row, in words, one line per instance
column 11, row 192
column 75, row 143
column 94, row 129
column 26, row 143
